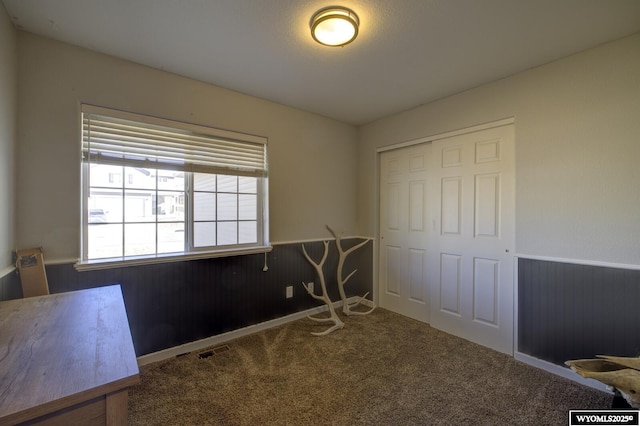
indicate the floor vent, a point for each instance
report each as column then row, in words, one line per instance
column 205, row 354
column 220, row 349
column 211, row 352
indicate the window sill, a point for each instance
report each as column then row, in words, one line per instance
column 122, row 262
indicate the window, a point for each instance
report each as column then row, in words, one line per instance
column 190, row 191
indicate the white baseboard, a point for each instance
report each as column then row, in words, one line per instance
column 235, row 334
column 599, row 263
column 365, row 302
column 558, row 370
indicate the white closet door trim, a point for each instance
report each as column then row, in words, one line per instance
column 491, row 125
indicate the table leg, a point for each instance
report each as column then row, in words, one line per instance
column 117, row 408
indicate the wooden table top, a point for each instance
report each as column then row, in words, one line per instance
column 63, row 349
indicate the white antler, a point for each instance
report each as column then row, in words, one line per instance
column 333, row 317
column 346, row 307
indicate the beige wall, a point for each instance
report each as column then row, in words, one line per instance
column 577, row 123
column 311, row 158
column 577, row 146
column 8, row 135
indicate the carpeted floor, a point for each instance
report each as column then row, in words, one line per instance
column 381, row 369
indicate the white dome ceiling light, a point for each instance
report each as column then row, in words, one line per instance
column 334, row 26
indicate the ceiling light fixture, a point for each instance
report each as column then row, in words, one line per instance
column 334, row 26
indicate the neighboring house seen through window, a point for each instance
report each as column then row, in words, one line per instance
column 189, row 191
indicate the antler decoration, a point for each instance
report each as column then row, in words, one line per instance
column 333, row 317
column 346, row 307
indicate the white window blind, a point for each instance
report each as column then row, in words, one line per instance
column 156, row 190
column 116, row 137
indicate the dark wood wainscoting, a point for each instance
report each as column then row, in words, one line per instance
column 180, row 302
column 10, row 286
column 569, row 311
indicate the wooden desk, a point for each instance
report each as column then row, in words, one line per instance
column 66, row 358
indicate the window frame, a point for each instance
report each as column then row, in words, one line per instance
column 190, row 251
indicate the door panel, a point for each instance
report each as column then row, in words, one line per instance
column 417, row 192
column 451, row 205
column 487, row 211
column 450, row 283
column 403, row 231
column 416, row 274
column 392, row 206
column 485, row 290
column 393, row 270
column 474, row 298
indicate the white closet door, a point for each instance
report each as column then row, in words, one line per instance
column 471, row 250
column 404, row 231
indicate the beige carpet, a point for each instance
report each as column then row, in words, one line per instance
column 381, row 369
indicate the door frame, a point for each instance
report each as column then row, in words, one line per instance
column 427, row 139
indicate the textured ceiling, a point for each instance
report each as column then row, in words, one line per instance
column 408, row 52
